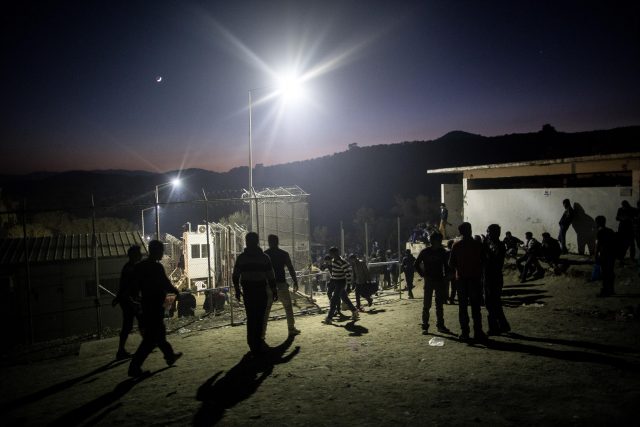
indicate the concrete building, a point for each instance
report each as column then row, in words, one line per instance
column 62, row 273
column 527, row 196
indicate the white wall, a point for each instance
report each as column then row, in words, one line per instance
column 539, row 210
column 451, row 195
column 196, row 268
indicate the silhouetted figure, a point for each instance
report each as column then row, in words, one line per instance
column 636, row 225
column 605, row 255
column 340, row 274
column 444, row 220
column 565, row 222
column 279, row 260
column 466, row 262
column 625, row 230
column 154, row 285
column 362, row 280
column 494, row 254
column 529, row 261
column 254, row 272
column 585, row 228
column 452, row 279
column 214, row 300
column 129, row 299
column 386, row 270
column 186, row 304
column 512, row 244
column 550, row 250
column 407, row 266
column 432, row 265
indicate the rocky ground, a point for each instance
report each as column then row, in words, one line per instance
column 571, row 359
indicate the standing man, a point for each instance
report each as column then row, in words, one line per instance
column 279, row 260
column 361, row 279
column 624, row 217
column 407, row 266
column 444, row 218
column 153, row 283
column 253, row 270
column 431, row 264
column 605, row 255
column 565, row 222
column 340, row 274
column 494, row 254
column 129, row 299
column 466, row 262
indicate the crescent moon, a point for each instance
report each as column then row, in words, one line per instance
column 159, row 79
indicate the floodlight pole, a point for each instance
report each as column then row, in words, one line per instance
column 157, row 215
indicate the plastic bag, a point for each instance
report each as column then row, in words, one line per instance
column 436, row 342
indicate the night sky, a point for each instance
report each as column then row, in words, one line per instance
column 80, row 90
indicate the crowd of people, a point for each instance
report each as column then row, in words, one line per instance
column 469, row 266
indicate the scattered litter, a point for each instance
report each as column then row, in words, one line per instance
column 535, row 304
column 436, row 342
column 184, row 330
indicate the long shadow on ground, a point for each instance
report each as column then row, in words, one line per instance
column 57, row 388
column 516, row 296
column 239, row 383
column 569, row 355
column 603, row 348
column 79, row 415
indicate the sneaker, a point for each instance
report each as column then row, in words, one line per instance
column 172, row 359
column 360, row 309
column 327, row 321
column 293, row 332
column 122, row 355
column 370, row 301
column 354, row 315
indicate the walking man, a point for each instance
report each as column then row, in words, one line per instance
column 129, row 300
column 431, row 264
column 565, row 221
column 361, row 279
column 153, row 283
column 494, row 254
column 254, row 272
column 466, row 262
column 279, row 260
column 407, row 266
column 340, row 274
column 444, row 218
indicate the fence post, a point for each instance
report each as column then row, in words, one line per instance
column 96, row 268
column 209, row 281
column 341, row 239
column 399, row 261
column 229, row 276
column 27, row 255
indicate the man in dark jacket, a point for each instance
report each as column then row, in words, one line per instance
column 494, row 254
column 254, row 272
column 129, row 300
column 432, row 265
column 606, row 248
column 153, row 283
column 279, row 260
column 511, row 243
column 624, row 217
column 551, row 250
column 565, row 221
column 407, row 266
column 466, row 262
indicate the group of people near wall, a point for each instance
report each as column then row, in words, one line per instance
column 474, row 265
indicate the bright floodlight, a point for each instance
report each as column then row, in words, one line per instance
column 175, row 182
column 290, row 86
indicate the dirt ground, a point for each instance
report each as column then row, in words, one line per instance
column 571, row 359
